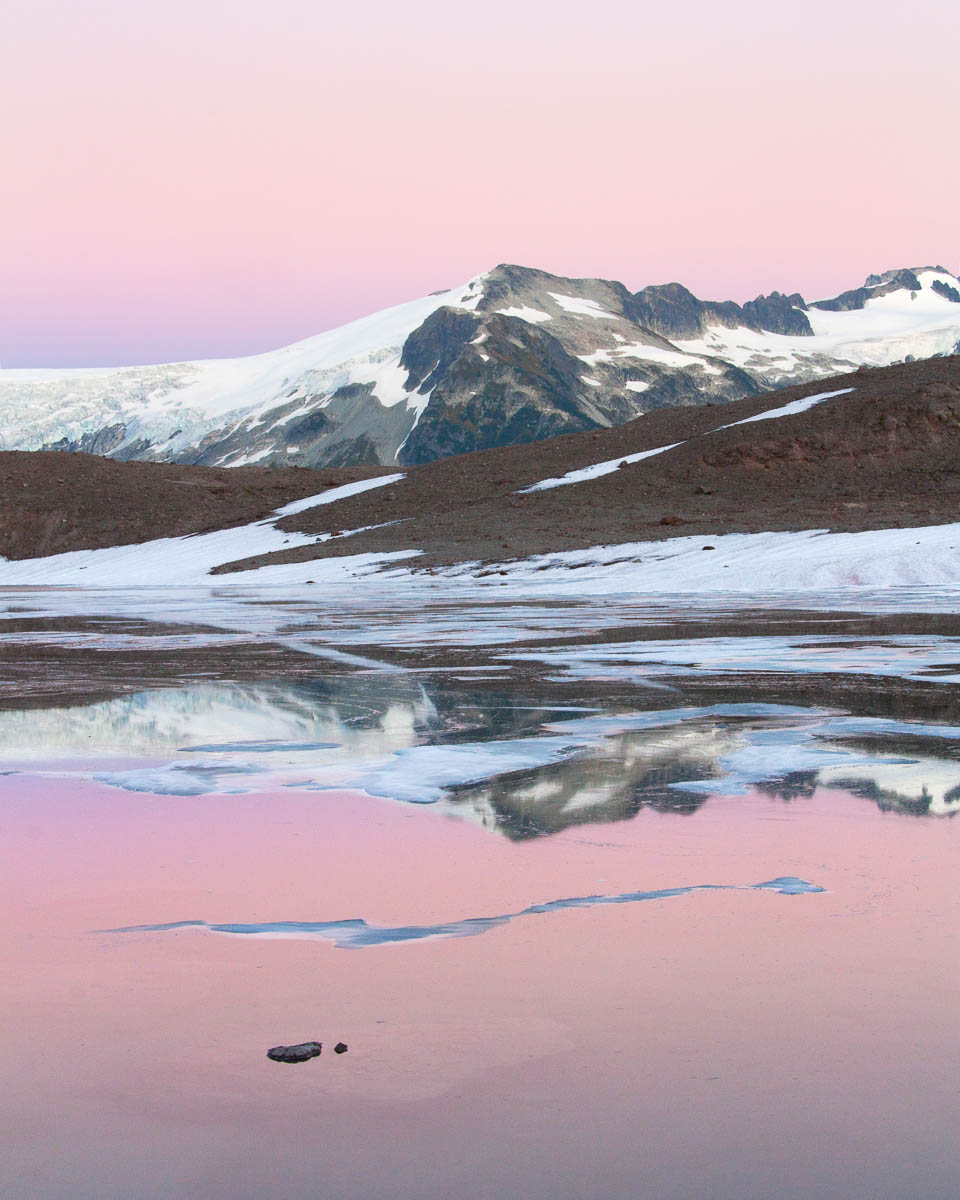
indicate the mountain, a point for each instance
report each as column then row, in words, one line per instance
column 791, row 485
column 514, row 356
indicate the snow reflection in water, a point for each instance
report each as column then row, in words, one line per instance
column 516, row 767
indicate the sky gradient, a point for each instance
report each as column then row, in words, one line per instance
column 196, row 179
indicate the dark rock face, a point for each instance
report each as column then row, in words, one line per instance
column 777, row 313
column 673, row 311
column 101, row 442
column 507, row 283
column 360, row 451
column 544, row 355
column 133, row 451
column 302, row 1052
column 309, row 426
column 902, row 277
column 429, row 351
column 876, row 286
column 525, row 386
column 351, row 428
column 945, row 290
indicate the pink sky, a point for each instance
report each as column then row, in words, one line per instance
column 203, row 177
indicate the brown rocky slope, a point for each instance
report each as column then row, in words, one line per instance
column 885, row 454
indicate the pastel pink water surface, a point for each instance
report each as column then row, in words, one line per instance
column 720, row 1044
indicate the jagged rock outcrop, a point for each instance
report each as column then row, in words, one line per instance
column 675, row 312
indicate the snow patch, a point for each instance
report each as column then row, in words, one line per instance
column 332, row 495
column 596, row 470
column 642, row 350
column 579, row 306
column 811, row 560
column 788, row 410
column 525, row 313
column 188, row 561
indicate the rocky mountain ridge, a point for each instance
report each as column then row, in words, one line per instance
column 512, row 357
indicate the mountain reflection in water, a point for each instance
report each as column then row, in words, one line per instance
column 508, row 760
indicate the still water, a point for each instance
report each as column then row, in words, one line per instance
column 586, row 931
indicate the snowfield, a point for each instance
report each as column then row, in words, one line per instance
column 804, row 561
column 810, row 560
column 175, row 405
column 188, row 561
column 887, row 330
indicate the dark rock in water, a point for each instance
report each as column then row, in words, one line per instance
column 294, row 1054
column 341, row 1048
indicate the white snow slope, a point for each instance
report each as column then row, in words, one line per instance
column 807, row 561
column 188, row 561
column 887, row 330
column 810, row 560
column 175, row 405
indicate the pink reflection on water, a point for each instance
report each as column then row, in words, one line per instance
column 728, row 1043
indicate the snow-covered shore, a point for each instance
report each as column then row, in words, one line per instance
column 741, row 563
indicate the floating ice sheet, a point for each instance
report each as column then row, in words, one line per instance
column 357, row 934
column 905, row 656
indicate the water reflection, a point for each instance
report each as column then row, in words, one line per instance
column 623, row 774
column 922, row 787
column 506, row 759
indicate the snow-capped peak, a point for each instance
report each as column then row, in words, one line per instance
column 498, row 358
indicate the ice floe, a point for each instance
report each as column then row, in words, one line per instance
column 358, row 934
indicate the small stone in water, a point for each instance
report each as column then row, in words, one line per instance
column 295, row 1054
column 341, row 1048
